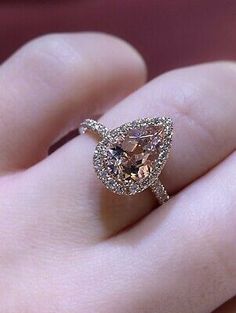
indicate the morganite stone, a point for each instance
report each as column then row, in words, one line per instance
column 133, row 157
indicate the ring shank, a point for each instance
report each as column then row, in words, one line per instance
column 93, row 126
column 160, row 192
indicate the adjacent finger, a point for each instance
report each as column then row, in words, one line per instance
column 52, row 83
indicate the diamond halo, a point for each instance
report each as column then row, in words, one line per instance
column 130, row 158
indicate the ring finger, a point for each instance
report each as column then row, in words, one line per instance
column 196, row 101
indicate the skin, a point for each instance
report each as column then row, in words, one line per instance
column 67, row 244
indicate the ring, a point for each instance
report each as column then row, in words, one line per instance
column 130, row 158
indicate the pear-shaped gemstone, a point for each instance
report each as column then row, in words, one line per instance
column 133, row 157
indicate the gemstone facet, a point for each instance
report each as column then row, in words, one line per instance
column 132, row 158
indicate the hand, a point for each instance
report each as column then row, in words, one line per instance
column 70, row 246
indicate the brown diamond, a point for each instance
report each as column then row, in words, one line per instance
column 133, row 159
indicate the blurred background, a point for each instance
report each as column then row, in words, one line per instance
column 169, row 33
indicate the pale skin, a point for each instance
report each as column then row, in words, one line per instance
column 70, row 246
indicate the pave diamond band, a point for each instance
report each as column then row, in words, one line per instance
column 94, row 126
column 130, row 158
column 160, row 191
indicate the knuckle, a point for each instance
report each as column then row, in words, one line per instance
column 50, row 55
column 47, row 45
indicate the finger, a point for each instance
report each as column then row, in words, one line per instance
column 183, row 256
column 188, row 95
column 52, row 82
column 184, row 95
